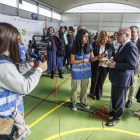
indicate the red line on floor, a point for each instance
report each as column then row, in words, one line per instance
column 46, row 98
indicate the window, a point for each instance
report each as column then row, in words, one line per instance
column 44, row 12
column 12, row 3
column 105, row 7
column 28, row 7
column 56, row 16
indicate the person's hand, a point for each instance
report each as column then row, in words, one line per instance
column 102, row 55
column 56, row 34
column 43, row 65
column 111, row 65
column 31, row 63
column 101, row 60
column 111, row 59
column 86, row 61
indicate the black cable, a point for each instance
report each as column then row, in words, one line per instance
column 54, row 103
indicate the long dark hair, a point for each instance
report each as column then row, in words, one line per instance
column 49, row 29
column 79, row 41
column 9, row 41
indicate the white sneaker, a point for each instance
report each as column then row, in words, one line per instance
column 73, row 107
column 85, row 105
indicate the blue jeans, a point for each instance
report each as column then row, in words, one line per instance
column 9, row 137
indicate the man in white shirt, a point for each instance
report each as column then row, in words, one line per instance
column 115, row 43
column 132, row 89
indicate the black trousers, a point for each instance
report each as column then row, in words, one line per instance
column 102, row 73
column 118, row 96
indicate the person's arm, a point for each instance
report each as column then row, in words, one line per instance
column 12, row 80
column 73, row 61
column 95, row 58
column 131, row 61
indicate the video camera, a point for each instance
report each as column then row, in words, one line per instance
column 36, row 46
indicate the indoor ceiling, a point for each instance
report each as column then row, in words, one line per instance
column 64, row 5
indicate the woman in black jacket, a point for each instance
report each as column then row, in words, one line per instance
column 102, row 43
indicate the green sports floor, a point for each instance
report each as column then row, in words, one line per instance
column 42, row 117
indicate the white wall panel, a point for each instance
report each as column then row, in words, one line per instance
column 114, row 29
column 105, row 24
column 117, row 17
column 1, row 8
column 118, row 24
column 84, row 17
column 94, row 17
column 137, row 17
column 108, row 21
column 66, row 17
column 74, row 17
column 130, row 17
column 125, row 24
column 106, row 17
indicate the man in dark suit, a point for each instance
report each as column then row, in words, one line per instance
column 121, row 73
column 132, row 89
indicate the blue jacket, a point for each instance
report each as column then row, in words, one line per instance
column 82, row 70
column 22, row 52
column 8, row 100
column 126, row 63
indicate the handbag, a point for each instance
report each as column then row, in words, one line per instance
column 6, row 125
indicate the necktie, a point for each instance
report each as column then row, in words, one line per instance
column 118, row 50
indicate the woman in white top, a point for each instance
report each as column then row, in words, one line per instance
column 103, row 43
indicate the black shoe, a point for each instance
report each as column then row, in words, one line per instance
column 111, row 113
column 60, row 74
column 112, row 122
column 128, row 104
column 94, row 97
column 52, row 74
column 98, row 98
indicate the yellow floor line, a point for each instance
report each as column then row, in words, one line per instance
column 78, row 130
column 88, row 129
column 47, row 114
column 53, row 110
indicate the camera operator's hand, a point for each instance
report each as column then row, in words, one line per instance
column 31, row 63
column 56, row 34
column 43, row 65
column 86, row 61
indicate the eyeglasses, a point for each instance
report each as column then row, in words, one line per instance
column 119, row 34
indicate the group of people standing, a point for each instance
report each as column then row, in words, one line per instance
column 89, row 62
column 62, row 43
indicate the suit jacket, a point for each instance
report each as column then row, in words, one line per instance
column 96, row 50
column 137, row 70
column 126, row 62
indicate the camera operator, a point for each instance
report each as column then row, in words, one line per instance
column 60, row 52
column 12, row 83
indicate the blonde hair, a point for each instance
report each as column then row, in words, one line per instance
column 20, row 39
column 100, row 37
